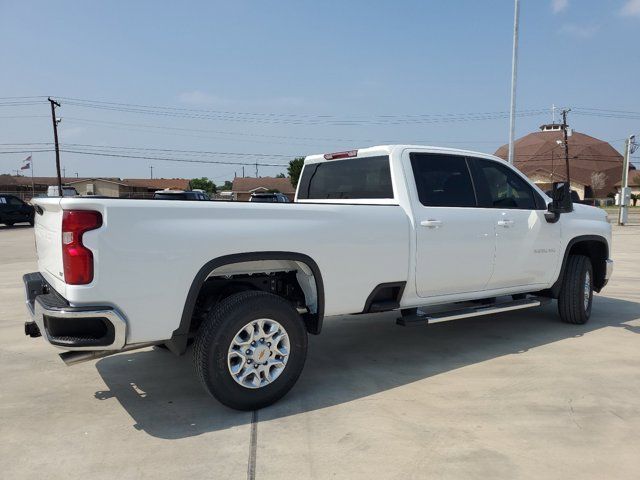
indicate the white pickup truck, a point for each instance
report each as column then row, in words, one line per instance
column 378, row 229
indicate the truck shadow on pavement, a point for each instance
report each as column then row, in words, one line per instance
column 354, row 357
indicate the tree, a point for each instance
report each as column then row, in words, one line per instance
column 598, row 181
column 294, row 169
column 228, row 185
column 203, row 184
column 280, row 175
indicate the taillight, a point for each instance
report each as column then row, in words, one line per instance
column 337, row 155
column 76, row 258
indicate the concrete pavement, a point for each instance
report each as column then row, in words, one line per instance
column 516, row 395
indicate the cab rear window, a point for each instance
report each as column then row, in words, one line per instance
column 353, row 178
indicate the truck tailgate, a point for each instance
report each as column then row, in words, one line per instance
column 48, row 233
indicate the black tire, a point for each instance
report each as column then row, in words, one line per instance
column 31, row 222
column 218, row 330
column 9, row 224
column 571, row 301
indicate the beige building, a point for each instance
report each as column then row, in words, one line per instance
column 99, row 186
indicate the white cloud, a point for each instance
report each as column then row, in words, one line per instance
column 631, row 8
column 559, row 5
column 579, row 31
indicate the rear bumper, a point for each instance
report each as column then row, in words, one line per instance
column 85, row 327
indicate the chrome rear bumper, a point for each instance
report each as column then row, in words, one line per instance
column 69, row 327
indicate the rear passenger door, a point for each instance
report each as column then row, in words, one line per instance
column 455, row 240
column 526, row 244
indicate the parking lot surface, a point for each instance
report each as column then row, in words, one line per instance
column 514, row 395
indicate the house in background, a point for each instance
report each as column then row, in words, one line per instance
column 243, row 187
column 634, row 182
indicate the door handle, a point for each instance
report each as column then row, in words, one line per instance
column 431, row 223
column 505, row 223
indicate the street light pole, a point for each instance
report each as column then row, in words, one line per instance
column 514, row 78
column 630, row 147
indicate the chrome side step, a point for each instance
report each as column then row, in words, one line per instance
column 475, row 311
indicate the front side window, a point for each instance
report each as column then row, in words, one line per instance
column 500, row 187
column 15, row 201
column 353, row 178
column 442, row 180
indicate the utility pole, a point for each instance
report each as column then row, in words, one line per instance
column 151, row 168
column 514, row 77
column 64, row 172
column 55, row 121
column 243, row 171
column 256, row 169
column 566, row 143
column 630, row 148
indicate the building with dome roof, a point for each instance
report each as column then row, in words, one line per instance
column 595, row 166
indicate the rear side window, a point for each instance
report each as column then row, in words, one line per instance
column 442, row 180
column 500, row 187
column 353, row 178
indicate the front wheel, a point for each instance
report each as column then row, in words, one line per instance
column 250, row 350
column 576, row 293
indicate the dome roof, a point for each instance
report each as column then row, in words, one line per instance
column 542, row 153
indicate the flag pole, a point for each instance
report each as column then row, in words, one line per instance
column 33, row 186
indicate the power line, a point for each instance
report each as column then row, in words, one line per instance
column 127, row 125
column 290, row 118
column 241, row 154
column 145, row 157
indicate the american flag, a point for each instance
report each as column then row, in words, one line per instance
column 27, row 163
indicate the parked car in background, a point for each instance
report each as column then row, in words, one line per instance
column 269, row 198
column 52, row 191
column 169, row 194
column 13, row 210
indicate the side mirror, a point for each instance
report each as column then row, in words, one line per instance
column 560, row 201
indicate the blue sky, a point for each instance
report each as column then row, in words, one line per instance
column 304, row 77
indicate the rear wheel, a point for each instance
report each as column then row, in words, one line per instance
column 576, row 293
column 250, row 350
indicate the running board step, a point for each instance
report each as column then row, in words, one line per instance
column 475, row 311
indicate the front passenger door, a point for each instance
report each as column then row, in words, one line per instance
column 527, row 246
